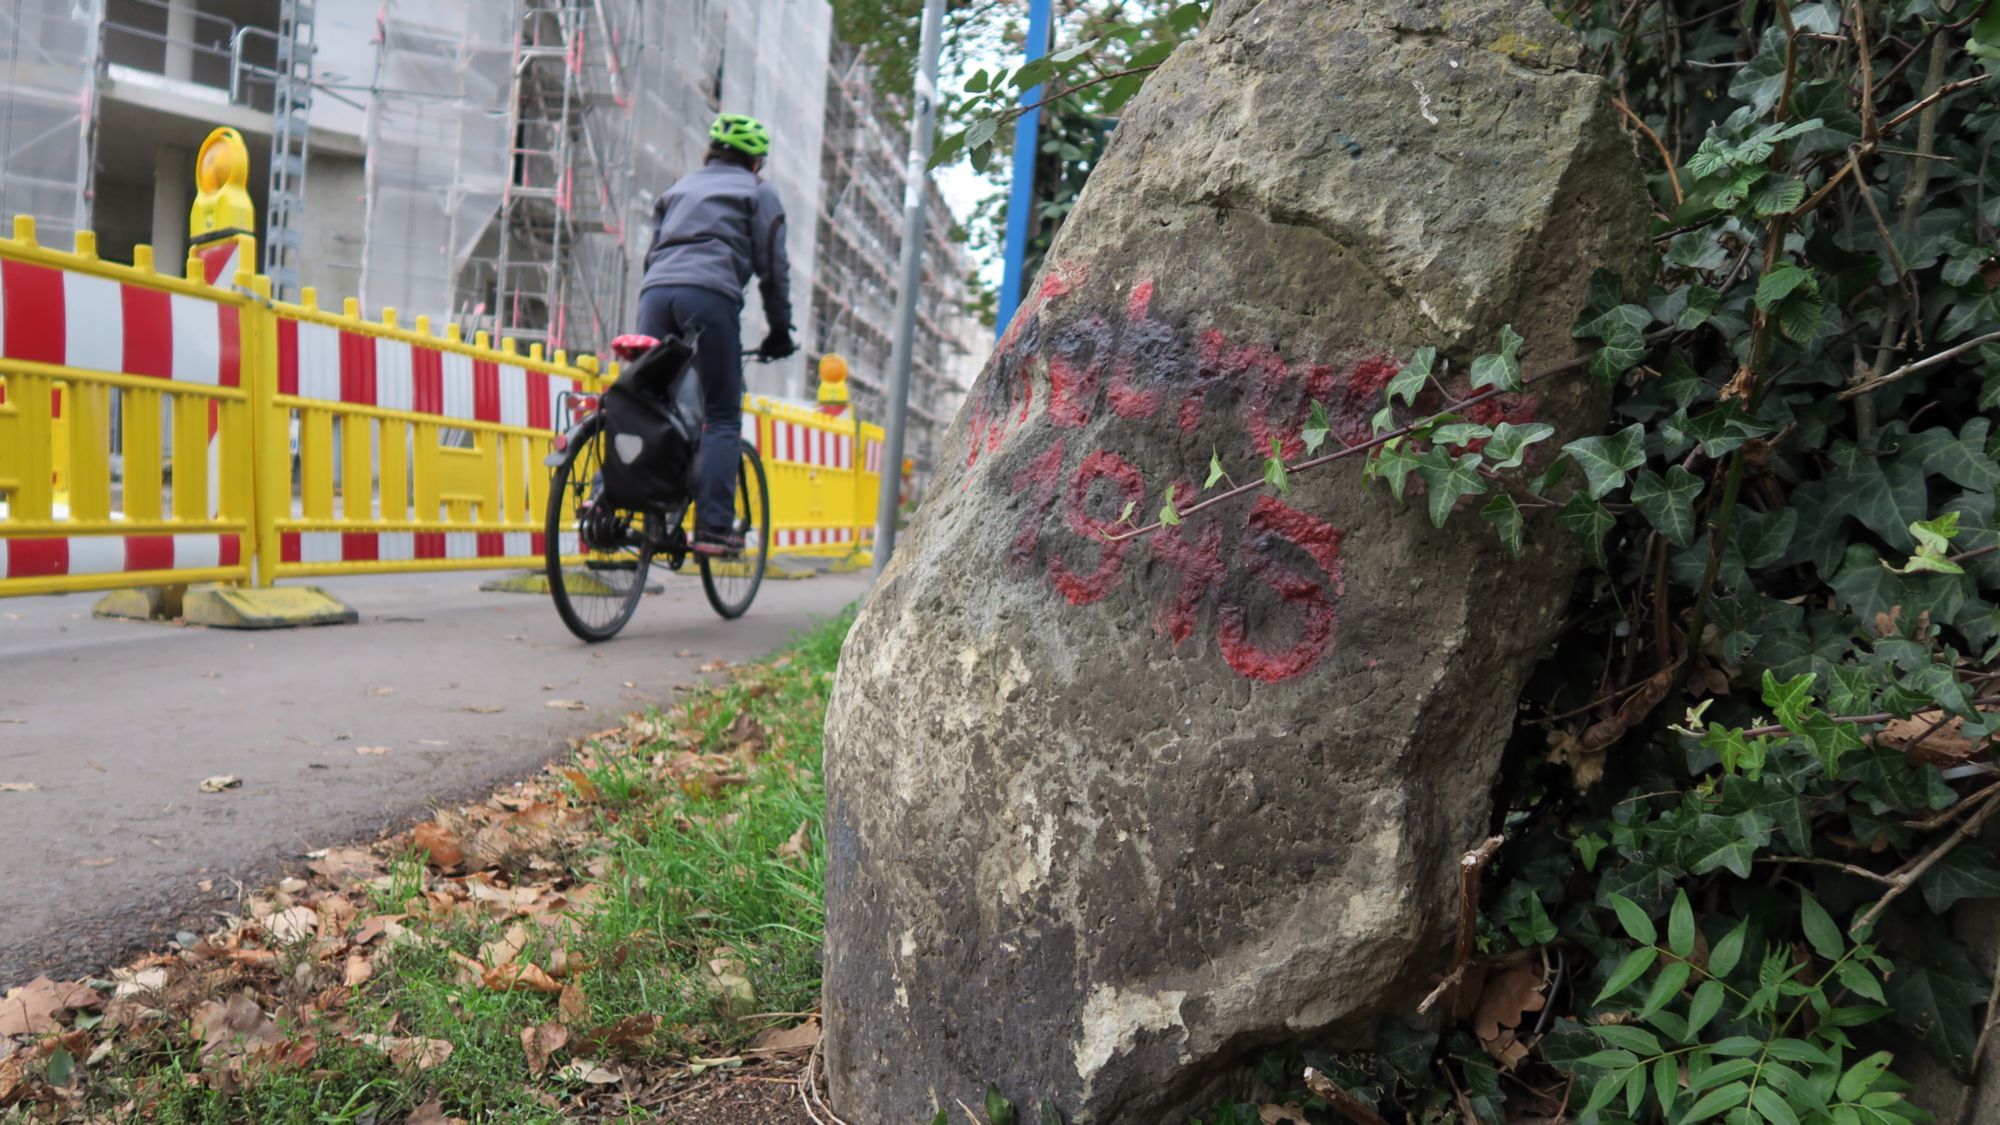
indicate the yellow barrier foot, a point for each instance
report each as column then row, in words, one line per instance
column 532, row 583
column 281, row 607
column 149, row 603
column 536, row 582
column 777, row 569
column 853, row 564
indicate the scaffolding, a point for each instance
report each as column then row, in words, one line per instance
column 48, row 76
column 863, row 180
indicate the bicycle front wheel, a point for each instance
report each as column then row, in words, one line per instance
column 731, row 584
column 597, row 595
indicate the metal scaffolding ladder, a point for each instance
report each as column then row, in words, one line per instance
column 292, row 94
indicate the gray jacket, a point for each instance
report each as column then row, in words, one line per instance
column 714, row 228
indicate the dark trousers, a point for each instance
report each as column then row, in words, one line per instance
column 676, row 310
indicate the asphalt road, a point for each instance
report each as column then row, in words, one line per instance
column 116, row 724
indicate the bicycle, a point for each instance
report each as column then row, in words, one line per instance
column 620, row 545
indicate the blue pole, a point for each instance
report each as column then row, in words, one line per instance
column 1021, row 197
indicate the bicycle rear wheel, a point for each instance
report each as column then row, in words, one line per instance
column 731, row 583
column 597, row 596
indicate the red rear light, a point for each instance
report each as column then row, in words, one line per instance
column 562, row 443
column 587, row 405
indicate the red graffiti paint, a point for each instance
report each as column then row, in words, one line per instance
column 1273, row 523
column 1127, row 398
column 1199, row 565
column 1102, row 464
column 1078, row 352
column 1273, row 384
column 1361, row 396
column 1040, row 479
column 1208, row 372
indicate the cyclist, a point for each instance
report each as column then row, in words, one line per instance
column 712, row 230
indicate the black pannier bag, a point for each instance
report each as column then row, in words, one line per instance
column 650, row 432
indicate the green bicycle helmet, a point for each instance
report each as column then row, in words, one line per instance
column 744, row 134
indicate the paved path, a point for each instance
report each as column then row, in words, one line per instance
column 116, row 724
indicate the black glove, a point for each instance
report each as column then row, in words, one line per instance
column 777, row 345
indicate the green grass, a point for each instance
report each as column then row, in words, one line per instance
column 681, row 878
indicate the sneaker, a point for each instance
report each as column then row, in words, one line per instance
column 717, row 543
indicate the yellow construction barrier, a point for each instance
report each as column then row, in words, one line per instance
column 175, row 356
column 264, row 440
column 432, row 446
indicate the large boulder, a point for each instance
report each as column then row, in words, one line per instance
column 1105, row 817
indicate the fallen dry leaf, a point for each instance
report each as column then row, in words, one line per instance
column 568, row 704
column 509, row 947
column 571, row 1004
column 432, row 1113
column 356, row 971
column 345, row 866
column 377, row 750
column 137, row 982
column 1509, row 996
column 729, row 986
column 540, row 1043
column 32, row 1008
column 13, row 1080
column 98, row 861
column 1945, row 746
column 714, row 665
column 624, row 1037
column 586, row 789
column 422, row 1054
column 381, row 691
column 582, row 1070
column 18, row 787
column 779, row 1041
column 1287, row 1114
column 796, row 846
column 485, row 710
column 292, row 925
column 441, row 844
column 220, row 782
column 517, row 977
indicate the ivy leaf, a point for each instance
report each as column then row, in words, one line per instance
column 1960, row 458
column 1934, row 999
column 1215, row 472
column 1505, row 516
column 1508, row 447
column 1587, row 848
column 1502, row 370
column 1696, row 250
column 1588, row 519
column 1125, row 516
column 1859, row 487
column 1716, row 842
column 1790, row 701
column 1762, row 80
column 1274, row 469
column 1393, row 462
column 1668, row 504
column 1606, row 458
column 1446, row 479
column 1409, row 382
column 1622, row 331
column 1460, row 434
column 1961, row 874
column 1316, row 429
column 1168, row 516
column 1701, row 302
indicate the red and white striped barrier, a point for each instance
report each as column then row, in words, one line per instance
column 327, row 364
column 814, row 537
column 79, row 555
column 67, row 318
column 317, row 547
column 801, row 444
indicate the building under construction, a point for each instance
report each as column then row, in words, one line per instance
column 487, row 162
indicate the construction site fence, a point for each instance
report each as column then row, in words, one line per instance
column 167, row 428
